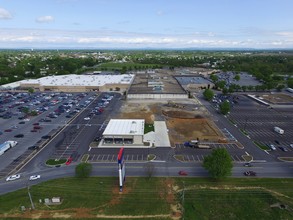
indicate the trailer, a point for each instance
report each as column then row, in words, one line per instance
column 6, row 146
column 278, row 130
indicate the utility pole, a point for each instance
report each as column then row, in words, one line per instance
column 29, row 194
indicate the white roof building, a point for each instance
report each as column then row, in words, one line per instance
column 80, row 80
column 124, row 132
column 78, row 83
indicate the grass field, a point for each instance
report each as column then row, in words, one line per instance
column 155, row 198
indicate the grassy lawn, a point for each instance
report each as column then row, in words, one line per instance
column 237, row 198
column 148, row 128
column 156, row 198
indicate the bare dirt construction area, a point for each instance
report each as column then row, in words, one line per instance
column 277, row 98
column 184, row 120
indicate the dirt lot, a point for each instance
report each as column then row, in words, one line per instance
column 278, row 98
column 183, row 123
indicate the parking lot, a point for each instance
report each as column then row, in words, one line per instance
column 197, row 154
column 44, row 116
column 259, row 122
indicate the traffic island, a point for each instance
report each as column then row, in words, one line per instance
column 55, row 162
column 179, row 158
column 151, row 157
column 247, row 158
column 286, row 159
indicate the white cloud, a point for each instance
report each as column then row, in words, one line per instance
column 43, row 38
column 45, row 19
column 4, row 14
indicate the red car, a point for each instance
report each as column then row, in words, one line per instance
column 8, row 130
column 69, row 160
column 182, row 173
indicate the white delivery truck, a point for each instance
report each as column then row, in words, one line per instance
column 278, row 130
column 6, row 146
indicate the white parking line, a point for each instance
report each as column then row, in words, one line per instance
column 89, row 149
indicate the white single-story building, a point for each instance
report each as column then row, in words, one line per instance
column 124, row 132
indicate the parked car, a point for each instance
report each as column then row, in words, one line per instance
column 8, row 130
column 250, row 173
column 34, row 124
column 19, row 136
column 13, row 177
column 21, row 122
column 291, row 145
column 87, row 118
column 33, row 148
column 272, row 147
column 46, row 136
column 34, row 130
column 182, row 173
column 277, row 142
column 35, row 177
column 69, row 161
column 283, row 149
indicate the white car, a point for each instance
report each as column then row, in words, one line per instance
column 273, row 147
column 13, row 177
column 291, row 145
column 35, row 177
column 87, row 118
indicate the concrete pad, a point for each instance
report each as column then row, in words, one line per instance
column 161, row 134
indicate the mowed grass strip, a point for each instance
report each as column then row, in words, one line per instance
column 239, row 198
column 230, row 204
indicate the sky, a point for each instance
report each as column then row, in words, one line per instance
column 143, row 24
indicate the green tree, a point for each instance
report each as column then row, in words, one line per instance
column 221, row 84
column 83, row 170
column 225, row 91
column 214, row 77
column 290, row 82
column 25, row 110
column 280, row 87
column 218, row 163
column 208, row 94
column 237, row 77
column 225, row 107
column 31, row 90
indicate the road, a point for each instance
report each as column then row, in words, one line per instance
column 161, row 169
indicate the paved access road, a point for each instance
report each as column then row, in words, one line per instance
column 161, row 169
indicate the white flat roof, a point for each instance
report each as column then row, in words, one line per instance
column 125, row 127
column 81, row 80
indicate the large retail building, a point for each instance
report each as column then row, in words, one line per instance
column 78, row 83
